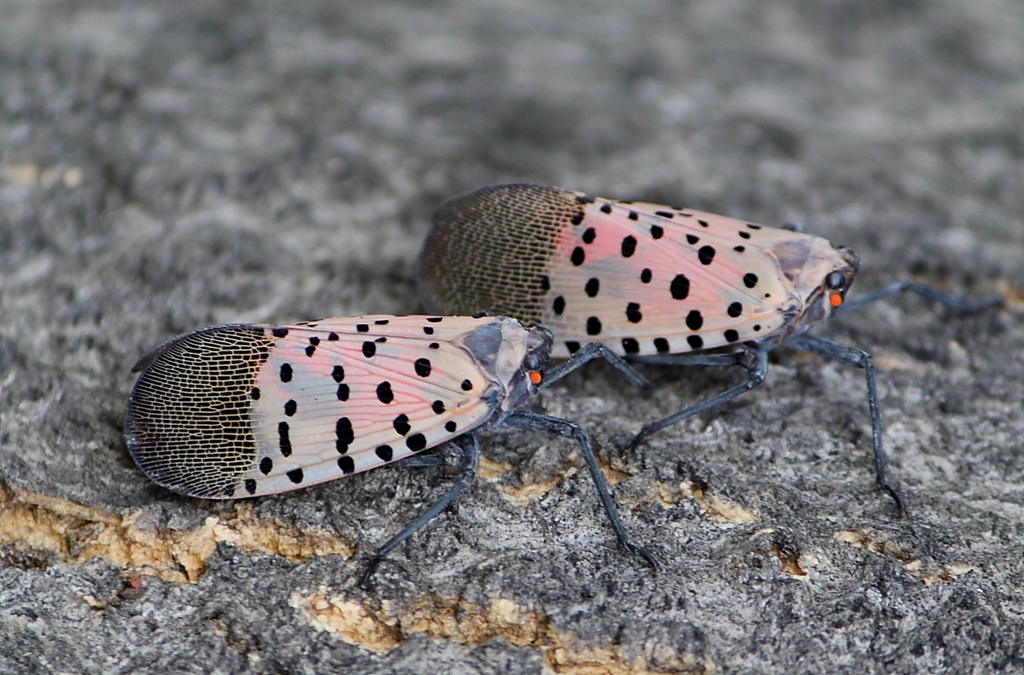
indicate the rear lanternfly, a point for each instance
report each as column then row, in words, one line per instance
column 661, row 284
column 248, row 410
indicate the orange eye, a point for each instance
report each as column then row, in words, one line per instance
column 836, row 299
column 536, row 377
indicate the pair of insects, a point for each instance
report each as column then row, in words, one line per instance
column 247, row 410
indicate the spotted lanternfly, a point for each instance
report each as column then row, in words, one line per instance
column 249, row 410
column 653, row 282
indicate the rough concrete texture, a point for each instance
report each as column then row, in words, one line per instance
column 171, row 165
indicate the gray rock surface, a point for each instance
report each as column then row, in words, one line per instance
column 171, row 165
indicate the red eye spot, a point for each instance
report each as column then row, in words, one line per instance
column 536, row 377
column 836, row 299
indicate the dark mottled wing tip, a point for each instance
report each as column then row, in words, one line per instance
column 188, row 419
column 489, row 250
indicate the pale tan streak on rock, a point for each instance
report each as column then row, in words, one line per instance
column 75, row 533
column 384, row 627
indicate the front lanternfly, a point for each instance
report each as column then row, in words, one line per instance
column 656, row 283
column 248, row 410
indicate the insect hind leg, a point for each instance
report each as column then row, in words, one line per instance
column 754, row 359
column 860, row 359
column 589, row 352
column 566, row 429
column 450, row 455
column 468, row 462
column 955, row 304
column 737, row 358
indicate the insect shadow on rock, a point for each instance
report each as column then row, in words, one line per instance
column 248, row 410
column 658, row 284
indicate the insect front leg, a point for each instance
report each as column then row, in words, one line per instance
column 587, row 353
column 467, row 462
column 566, row 429
column 958, row 305
column 754, row 359
column 859, row 359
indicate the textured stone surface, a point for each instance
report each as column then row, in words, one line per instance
column 170, row 166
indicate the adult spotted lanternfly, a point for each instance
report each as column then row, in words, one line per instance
column 248, row 410
column 653, row 282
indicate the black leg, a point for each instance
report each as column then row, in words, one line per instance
column 588, row 352
column 737, row 358
column 754, row 359
column 421, row 462
column 560, row 427
column 958, row 305
column 468, row 462
column 860, row 359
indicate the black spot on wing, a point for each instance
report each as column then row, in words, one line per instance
column 283, row 439
column 344, row 435
column 680, row 287
column 628, row 246
column 633, row 312
column 401, row 424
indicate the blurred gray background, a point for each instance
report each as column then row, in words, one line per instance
column 165, row 166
